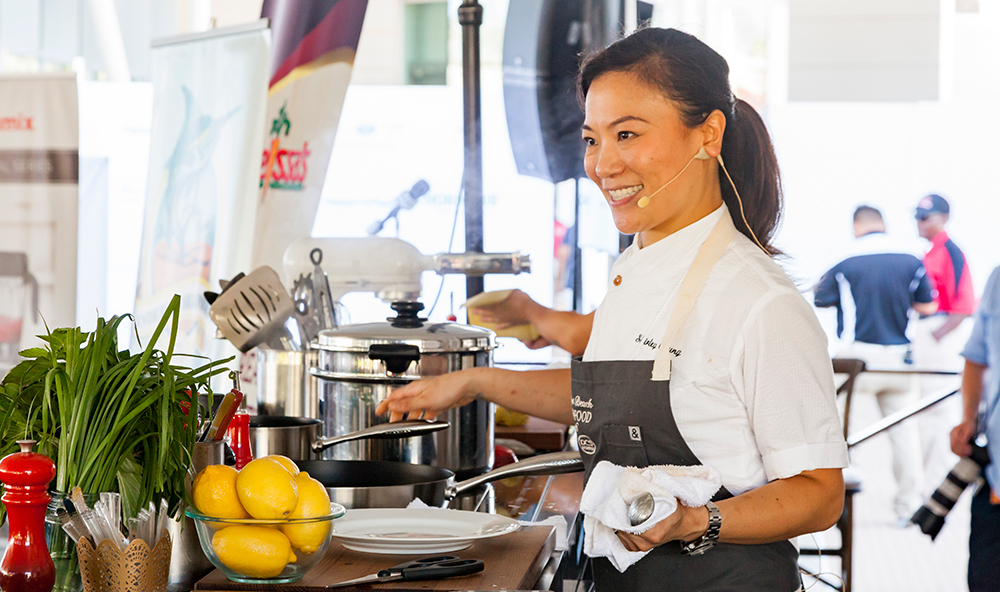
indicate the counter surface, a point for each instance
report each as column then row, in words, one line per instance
column 513, row 562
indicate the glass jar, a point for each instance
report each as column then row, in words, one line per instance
column 62, row 549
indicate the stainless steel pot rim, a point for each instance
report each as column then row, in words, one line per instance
column 352, row 345
column 430, row 337
column 361, row 378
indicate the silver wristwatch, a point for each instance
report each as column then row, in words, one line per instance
column 711, row 536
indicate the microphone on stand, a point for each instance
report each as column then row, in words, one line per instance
column 404, row 201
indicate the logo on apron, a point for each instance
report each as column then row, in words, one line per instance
column 582, row 415
column 635, row 433
column 586, row 444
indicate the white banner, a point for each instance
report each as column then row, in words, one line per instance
column 314, row 47
column 39, row 172
column 303, row 118
column 209, row 100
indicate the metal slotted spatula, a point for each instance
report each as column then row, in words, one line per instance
column 253, row 310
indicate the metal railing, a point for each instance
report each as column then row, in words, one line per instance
column 891, row 420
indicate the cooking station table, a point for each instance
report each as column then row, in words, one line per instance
column 524, row 560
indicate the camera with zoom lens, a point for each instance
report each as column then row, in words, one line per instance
column 930, row 517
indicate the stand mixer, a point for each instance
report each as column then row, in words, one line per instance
column 388, row 267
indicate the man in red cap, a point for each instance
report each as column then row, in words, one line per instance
column 938, row 339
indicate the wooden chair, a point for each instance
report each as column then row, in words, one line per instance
column 852, row 483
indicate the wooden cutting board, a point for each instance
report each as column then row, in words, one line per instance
column 513, row 562
column 540, row 434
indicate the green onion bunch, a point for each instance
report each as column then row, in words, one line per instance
column 111, row 420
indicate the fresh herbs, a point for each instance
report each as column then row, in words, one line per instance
column 112, row 421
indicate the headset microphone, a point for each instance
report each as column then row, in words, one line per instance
column 700, row 155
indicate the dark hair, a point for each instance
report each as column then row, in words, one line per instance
column 696, row 79
column 867, row 213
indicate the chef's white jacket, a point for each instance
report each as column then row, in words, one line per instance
column 751, row 385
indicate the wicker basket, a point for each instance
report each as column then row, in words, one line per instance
column 137, row 569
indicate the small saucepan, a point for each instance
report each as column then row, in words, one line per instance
column 299, row 438
column 391, row 484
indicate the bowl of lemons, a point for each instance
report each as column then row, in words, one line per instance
column 267, row 523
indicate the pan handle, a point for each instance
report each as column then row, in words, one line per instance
column 555, row 463
column 399, row 429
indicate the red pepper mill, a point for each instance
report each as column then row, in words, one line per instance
column 26, row 566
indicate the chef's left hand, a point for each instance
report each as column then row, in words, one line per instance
column 684, row 524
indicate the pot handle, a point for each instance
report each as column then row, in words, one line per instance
column 399, row 429
column 555, row 463
column 397, row 357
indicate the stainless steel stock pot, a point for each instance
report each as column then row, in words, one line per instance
column 359, row 365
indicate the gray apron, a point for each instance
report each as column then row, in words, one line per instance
column 623, row 415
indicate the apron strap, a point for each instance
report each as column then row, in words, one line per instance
column 694, row 281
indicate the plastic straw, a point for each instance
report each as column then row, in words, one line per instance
column 113, row 509
column 68, row 526
column 161, row 521
column 133, row 528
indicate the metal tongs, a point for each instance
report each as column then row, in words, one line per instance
column 314, row 304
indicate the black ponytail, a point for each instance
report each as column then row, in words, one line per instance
column 750, row 159
column 696, row 79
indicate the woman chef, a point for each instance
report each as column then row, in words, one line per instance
column 703, row 351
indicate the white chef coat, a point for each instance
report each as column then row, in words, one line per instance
column 751, row 382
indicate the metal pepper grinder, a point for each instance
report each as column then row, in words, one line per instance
column 26, row 565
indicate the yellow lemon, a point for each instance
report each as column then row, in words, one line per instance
column 214, row 492
column 253, row 551
column 314, row 501
column 286, row 462
column 266, row 489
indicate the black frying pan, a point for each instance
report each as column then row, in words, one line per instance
column 391, row 484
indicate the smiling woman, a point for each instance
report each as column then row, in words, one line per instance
column 667, row 97
column 637, row 146
column 703, row 351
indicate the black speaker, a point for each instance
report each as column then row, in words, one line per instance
column 542, row 44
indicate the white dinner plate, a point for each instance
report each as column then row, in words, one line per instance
column 402, row 531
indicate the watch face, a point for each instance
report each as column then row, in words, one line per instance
column 697, row 547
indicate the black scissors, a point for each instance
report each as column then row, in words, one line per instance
column 428, row 568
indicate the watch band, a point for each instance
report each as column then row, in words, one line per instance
column 711, row 536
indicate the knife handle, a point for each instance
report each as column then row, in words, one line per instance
column 226, row 407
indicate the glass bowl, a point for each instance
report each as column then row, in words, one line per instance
column 249, row 550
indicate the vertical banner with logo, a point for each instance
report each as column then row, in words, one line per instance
column 314, row 46
column 39, row 172
column 209, row 99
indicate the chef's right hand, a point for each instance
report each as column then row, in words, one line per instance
column 428, row 397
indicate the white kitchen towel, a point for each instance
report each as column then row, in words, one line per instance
column 562, row 528
column 610, row 489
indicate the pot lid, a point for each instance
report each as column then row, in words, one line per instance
column 407, row 327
